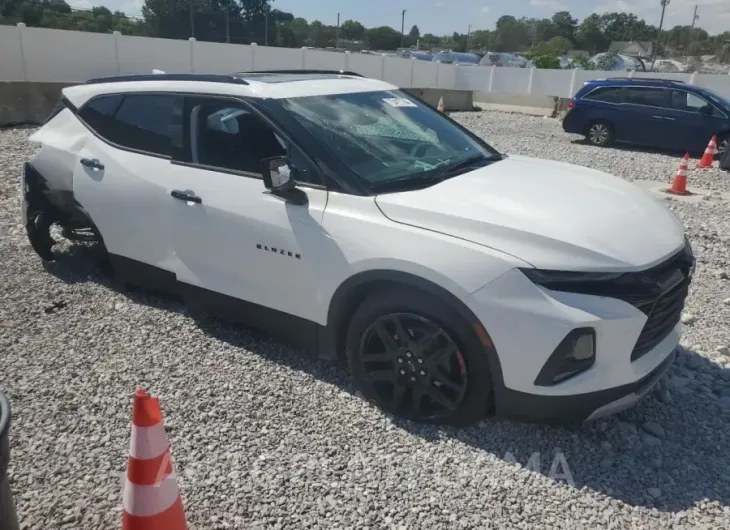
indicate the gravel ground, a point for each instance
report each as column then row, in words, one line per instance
column 266, row 437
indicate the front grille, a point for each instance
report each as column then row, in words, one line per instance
column 660, row 294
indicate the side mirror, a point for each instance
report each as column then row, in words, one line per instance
column 706, row 110
column 277, row 174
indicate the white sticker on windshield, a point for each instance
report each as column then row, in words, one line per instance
column 399, row 102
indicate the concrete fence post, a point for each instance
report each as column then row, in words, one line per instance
column 413, row 69
column 304, row 58
column 571, row 90
column 382, row 67
column 191, row 40
column 116, row 35
column 693, row 78
column 254, row 46
column 347, row 60
column 438, row 75
column 456, row 74
column 23, row 68
column 530, row 80
column 491, row 77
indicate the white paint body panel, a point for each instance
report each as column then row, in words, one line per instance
column 551, row 214
column 526, row 324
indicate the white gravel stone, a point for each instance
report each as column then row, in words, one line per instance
column 265, row 437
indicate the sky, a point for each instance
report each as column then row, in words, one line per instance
column 443, row 17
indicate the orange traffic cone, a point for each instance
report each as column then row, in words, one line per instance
column 441, row 104
column 708, row 158
column 679, row 185
column 151, row 497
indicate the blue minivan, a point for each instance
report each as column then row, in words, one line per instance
column 657, row 113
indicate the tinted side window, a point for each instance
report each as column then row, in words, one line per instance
column 234, row 138
column 150, row 123
column 606, row 94
column 689, row 102
column 652, row 97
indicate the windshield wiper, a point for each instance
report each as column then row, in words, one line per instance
column 423, row 180
column 463, row 164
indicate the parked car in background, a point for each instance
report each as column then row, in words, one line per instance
column 651, row 112
column 418, row 54
column 451, row 57
column 503, row 59
column 622, row 63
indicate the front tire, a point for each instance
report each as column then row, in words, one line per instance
column 415, row 357
column 723, row 144
column 600, row 134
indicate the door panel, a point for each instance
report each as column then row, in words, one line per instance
column 126, row 200
column 242, row 241
column 697, row 128
column 648, row 117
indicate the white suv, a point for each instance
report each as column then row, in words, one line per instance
column 339, row 211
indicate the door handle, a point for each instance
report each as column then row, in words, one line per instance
column 92, row 163
column 657, row 117
column 186, row 196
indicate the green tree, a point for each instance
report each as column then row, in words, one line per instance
column 383, row 38
column 321, row 35
column 352, row 30
column 590, row 36
column 565, row 25
column 512, row 35
column 556, row 47
column 430, row 41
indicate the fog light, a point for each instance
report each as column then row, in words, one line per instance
column 576, row 353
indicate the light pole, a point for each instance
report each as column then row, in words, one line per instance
column 691, row 31
column 266, row 28
column 337, row 35
column 402, row 28
column 664, row 3
column 192, row 21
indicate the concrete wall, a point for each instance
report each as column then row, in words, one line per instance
column 44, row 58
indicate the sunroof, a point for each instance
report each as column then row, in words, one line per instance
column 264, row 77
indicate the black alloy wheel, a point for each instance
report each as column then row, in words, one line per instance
column 415, row 356
column 414, row 365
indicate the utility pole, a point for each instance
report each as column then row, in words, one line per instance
column 691, row 32
column 403, row 28
column 228, row 27
column 337, row 35
column 266, row 28
column 664, row 3
column 192, row 21
column 468, row 32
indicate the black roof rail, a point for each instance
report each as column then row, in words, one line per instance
column 209, row 78
column 652, row 79
column 333, row 72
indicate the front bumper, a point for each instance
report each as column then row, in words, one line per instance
column 580, row 407
column 525, row 323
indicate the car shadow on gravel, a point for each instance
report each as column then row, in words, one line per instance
column 668, row 452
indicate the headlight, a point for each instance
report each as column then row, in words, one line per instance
column 599, row 283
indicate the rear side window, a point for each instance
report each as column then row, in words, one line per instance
column 648, row 96
column 609, row 94
column 689, row 102
column 144, row 122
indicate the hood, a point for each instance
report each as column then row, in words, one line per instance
column 551, row 214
